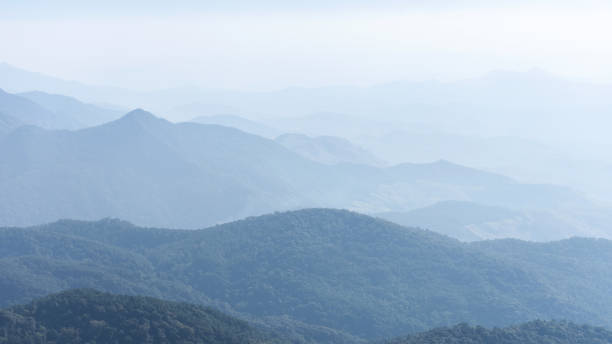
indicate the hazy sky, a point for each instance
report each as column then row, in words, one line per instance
column 274, row 44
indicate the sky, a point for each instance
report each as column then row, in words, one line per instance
column 269, row 44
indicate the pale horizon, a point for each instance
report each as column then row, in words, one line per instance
column 274, row 46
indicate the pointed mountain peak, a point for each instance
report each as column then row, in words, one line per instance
column 141, row 116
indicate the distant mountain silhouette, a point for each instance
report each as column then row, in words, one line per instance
column 52, row 111
column 153, row 172
column 470, row 221
column 84, row 115
column 145, row 169
column 29, row 112
column 18, row 80
column 240, row 123
column 328, row 149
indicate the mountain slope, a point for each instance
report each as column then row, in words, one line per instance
column 327, row 149
column 308, row 262
column 28, row 112
column 8, row 124
column 152, row 172
column 146, row 170
column 536, row 332
column 470, row 221
column 326, row 274
column 566, row 265
column 88, row 316
column 84, row 115
column 240, row 123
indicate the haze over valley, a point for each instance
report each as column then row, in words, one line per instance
column 330, row 172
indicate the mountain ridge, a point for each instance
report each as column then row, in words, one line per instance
column 317, row 269
column 157, row 173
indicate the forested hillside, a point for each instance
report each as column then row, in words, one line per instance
column 536, row 332
column 89, row 316
column 326, row 275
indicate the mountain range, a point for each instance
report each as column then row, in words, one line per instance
column 494, row 103
column 320, row 273
column 469, row 221
column 82, row 114
column 499, row 122
column 29, row 112
column 240, row 123
column 153, row 172
column 51, row 111
column 328, row 149
column 474, row 211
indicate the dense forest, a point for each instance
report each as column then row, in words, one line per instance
column 322, row 275
column 88, row 316
column 535, row 332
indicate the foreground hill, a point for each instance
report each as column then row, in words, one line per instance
column 326, row 275
column 152, row 172
column 536, row 332
column 88, row 316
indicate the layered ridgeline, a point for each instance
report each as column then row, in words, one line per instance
column 238, row 122
column 470, row 221
column 324, row 275
column 152, row 172
column 29, row 112
column 81, row 114
column 328, row 149
column 53, row 111
column 89, row 316
column 536, row 332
